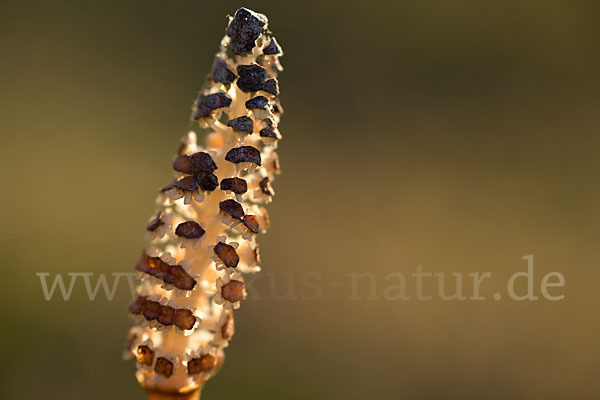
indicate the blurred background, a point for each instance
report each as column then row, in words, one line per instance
column 456, row 135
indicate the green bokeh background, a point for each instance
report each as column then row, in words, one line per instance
column 457, row 135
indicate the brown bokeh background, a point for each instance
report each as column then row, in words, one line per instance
column 457, row 135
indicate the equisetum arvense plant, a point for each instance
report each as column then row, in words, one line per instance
column 202, row 240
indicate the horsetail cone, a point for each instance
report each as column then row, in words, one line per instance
column 202, row 239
